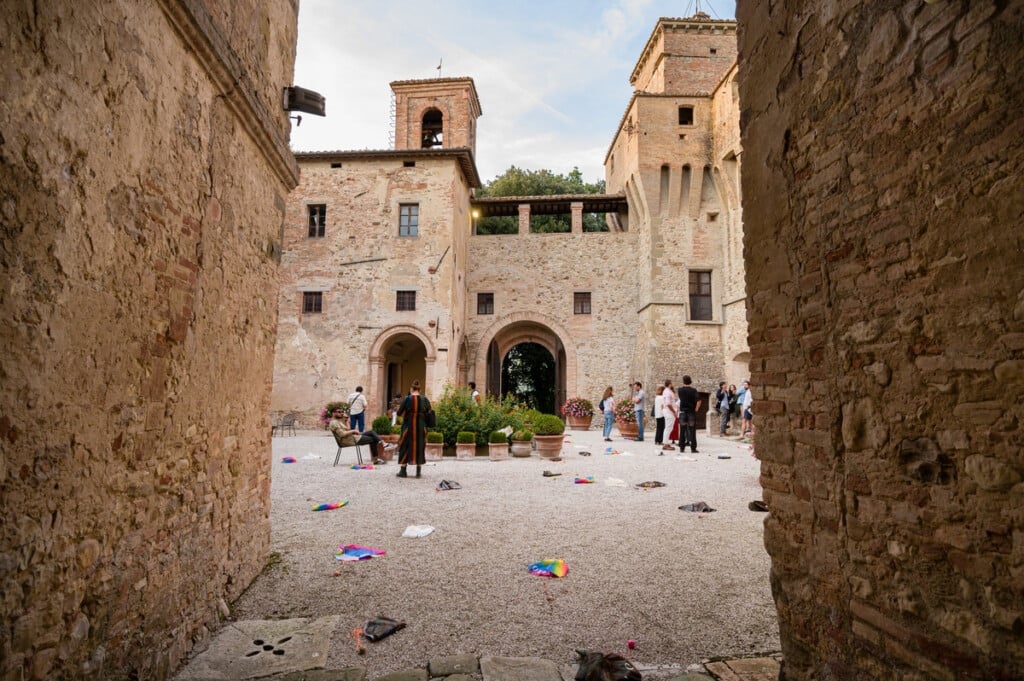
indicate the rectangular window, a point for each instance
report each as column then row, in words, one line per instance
column 581, row 302
column 408, row 219
column 700, row 295
column 485, row 303
column 405, row 301
column 686, row 115
column 312, row 302
column 317, row 219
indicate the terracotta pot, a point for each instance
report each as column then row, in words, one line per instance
column 434, row 451
column 389, row 454
column 465, row 451
column 579, row 422
column 627, row 430
column 549, row 446
column 521, row 448
column 497, row 451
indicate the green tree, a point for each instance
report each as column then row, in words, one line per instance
column 518, row 182
column 528, row 376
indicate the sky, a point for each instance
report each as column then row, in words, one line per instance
column 552, row 77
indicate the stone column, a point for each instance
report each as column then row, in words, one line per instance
column 577, row 217
column 524, row 218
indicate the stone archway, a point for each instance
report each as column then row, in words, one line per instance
column 398, row 356
column 524, row 327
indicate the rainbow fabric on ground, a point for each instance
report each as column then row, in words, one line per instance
column 331, row 506
column 353, row 552
column 550, row 567
column 581, row 480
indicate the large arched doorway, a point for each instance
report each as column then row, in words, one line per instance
column 530, row 356
column 528, row 373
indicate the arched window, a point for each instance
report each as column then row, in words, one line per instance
column 433, row 129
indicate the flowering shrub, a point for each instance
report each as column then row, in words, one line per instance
column 327, row 413
column 577, row 406
column 625, row 411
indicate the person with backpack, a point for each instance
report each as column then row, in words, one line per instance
column 724, row 406
column 607, row 407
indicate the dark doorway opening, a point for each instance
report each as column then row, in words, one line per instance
column 528, row 374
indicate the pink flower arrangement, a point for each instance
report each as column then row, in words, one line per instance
column 577, row 406
column 625, row 411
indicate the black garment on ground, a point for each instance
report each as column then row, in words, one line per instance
column 605, row 667
column 381, row 627
column 697, row 507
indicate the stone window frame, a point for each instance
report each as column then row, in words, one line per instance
column 312, row 302
column 405, row 300
column 709, row 296
column 409, row 223
column 316, row 219
column 692, row 116
column 581, row 302
column 485, row 303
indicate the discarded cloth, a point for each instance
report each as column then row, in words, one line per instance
column 584, row 480
column 549, row 474
column 758, row 505
column 650, row 484
column 331, row 506
column 352, row 552
column 417, row 531
column 381, row 627
column 612, row 451
column 549, row 567
column 448, row 484
column 615, row 482
column 362, row 466
column 697, row 507
column 288, row 459
column 584, row 453
column 595, row 666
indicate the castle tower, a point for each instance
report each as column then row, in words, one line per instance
column 436, row 113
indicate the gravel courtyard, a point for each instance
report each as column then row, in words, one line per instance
column 684, row 586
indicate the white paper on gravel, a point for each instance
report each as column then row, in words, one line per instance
column 615, row 482
column 417, row 531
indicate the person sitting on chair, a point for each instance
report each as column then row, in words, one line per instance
column 350, row 437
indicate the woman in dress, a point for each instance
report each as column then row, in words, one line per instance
column 413, row 440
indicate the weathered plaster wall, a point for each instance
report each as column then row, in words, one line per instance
column 141, row 207
column 358, row 266
column 883, row 199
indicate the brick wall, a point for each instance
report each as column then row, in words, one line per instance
column 883, row 196
column 141, row 214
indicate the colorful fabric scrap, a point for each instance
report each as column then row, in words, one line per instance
column 288, row 459
column 611, row 451
column 362, row 467
column 581, row 480
column 549, row 567
column 353, row 552
column 330, row 507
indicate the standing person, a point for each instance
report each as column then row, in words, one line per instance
column 689, row 403
column 396, row 402
column 724, row 406
column 413, row 440
column 638, row 407
column 748, row 410
column 670, row 409
column 350, row 437
column 357, row 409
column 740, row 395
column 474, row 393
column 659, row 415
column 607, row 405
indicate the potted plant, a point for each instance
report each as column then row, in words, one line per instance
column 625, row 419
column 465, row 445
column 497, row 446
column 521, row 442
column 435, row 445
column 548, row 432
column 578, row 412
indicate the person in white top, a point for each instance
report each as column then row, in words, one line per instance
column 357, row 410
column 670, row 408
column 748, row 410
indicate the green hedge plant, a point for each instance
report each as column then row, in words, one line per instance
column 522, row 435
column 465, row 437
column 382, row 425
column 498, row 437
column 548, row 424
column 435, row 437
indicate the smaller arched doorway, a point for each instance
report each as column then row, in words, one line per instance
column 529, row 373
column 399, row 356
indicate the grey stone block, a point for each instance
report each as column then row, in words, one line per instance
column 519, row 669
column 456, row 664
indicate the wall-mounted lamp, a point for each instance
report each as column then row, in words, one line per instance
column 295, row 98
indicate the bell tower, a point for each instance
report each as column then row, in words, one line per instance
column 436, row 113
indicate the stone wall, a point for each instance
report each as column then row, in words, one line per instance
column 143, row 196
column 883, row 199
column 533, row 278
column 358, row 265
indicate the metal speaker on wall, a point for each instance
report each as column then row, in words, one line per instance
column 300, row 99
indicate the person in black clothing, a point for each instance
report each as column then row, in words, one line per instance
column 689, row 403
